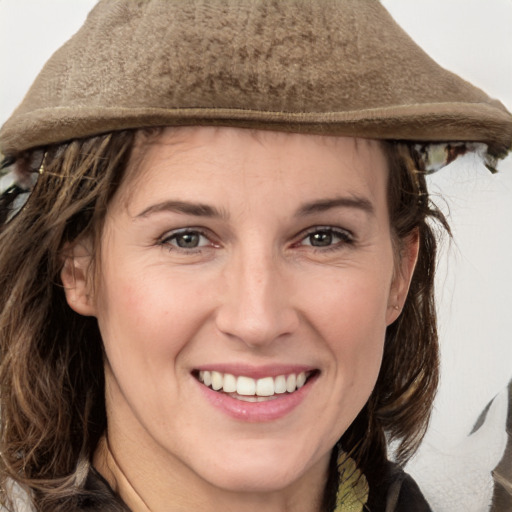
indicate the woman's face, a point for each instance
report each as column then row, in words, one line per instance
column 256, row 261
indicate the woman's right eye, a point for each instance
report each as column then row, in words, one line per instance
column 186, row 239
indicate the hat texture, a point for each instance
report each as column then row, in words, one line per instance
column 325, row 66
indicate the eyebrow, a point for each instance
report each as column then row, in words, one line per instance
column 322, row 205
column 195, row 209
column 204, row 210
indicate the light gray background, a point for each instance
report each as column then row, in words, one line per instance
column 474, row 39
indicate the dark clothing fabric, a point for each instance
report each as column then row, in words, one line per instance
column 96, row 496
column 397, row 492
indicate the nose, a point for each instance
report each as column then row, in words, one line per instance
column 256, row 304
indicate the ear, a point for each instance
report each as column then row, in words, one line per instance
column 77, row 277
column 403, row 275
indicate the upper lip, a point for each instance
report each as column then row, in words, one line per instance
column 256, row 372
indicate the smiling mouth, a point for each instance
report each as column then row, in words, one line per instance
column 248, row 389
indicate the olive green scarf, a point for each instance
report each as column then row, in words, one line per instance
column 353, row 487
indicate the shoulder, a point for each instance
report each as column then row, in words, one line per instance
column 95, row 496
column 396, row 491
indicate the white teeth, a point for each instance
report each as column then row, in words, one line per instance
column 229, row 383
column 245, row 386
column 291, row 382
column 207, row 378
column 248, row 387
column 265, row 387
column 280, row 385
column 253, row 398
column 217, row 381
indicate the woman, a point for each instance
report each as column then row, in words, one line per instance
column 222, row 295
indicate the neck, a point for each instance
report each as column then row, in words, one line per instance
column 147, row 484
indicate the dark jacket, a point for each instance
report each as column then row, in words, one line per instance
column 396, row 492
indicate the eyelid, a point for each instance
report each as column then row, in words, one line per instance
column 346, row 236
column 168, row 236
column 332, row 229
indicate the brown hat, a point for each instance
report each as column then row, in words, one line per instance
column 324, row 66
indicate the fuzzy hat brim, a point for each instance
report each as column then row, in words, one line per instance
column 330, row 66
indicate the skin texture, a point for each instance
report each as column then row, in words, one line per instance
column 255, row 293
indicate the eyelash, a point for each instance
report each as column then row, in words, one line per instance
column 174, row 235
column 345, row 238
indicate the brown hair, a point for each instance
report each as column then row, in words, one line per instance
column 51, row 370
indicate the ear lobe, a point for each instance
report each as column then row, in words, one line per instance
column 403, row 276
column 76, row 277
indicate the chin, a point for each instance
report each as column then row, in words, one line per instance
column 253, row 480
column 260, row 470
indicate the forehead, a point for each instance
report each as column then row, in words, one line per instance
column 213, row 161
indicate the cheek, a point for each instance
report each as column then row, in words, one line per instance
column 350, row 306
column 147, row 327
column 350, row 313
column 145, row 319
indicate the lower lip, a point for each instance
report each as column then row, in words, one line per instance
column 254, row 412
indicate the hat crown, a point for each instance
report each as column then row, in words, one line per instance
column 336, row 66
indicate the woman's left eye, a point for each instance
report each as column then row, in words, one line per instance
column 326, row 237
column 186, row 239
